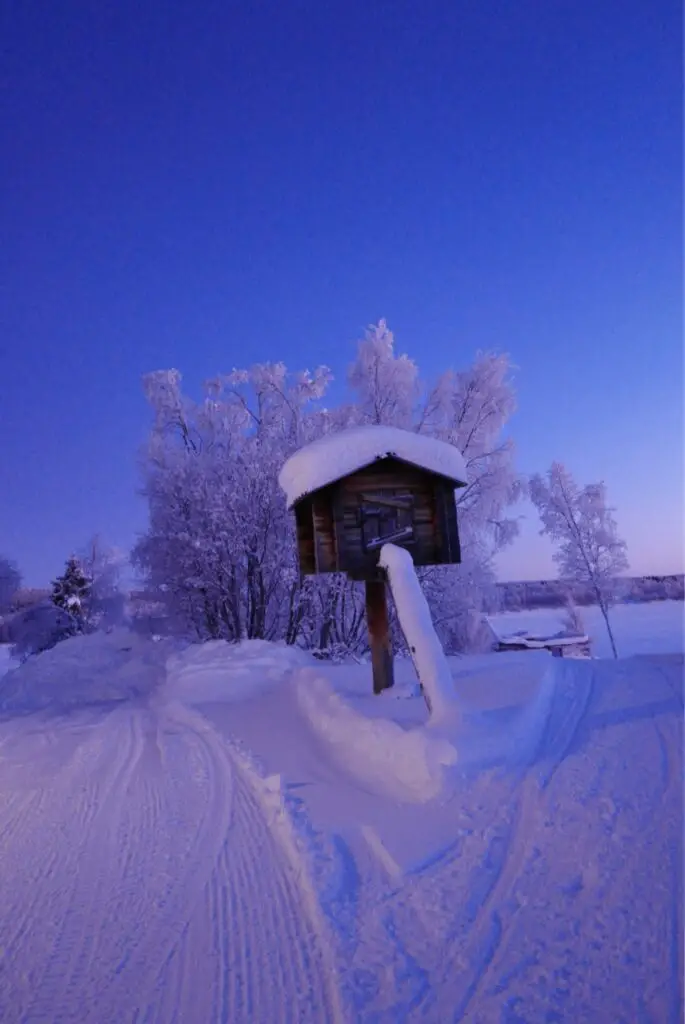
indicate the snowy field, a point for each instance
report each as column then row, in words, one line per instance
column 655, row 627
column 240, row 834
column 5, row 658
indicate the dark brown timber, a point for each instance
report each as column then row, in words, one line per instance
column 379, row 635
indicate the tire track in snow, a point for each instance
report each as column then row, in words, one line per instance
column 259, row 919
column 170, row 869
column 26, row 839
column 488, row 937
column 461, row 952
column 58, row 881
column 156, row 878
column 79, row 890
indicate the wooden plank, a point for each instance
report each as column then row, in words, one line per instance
column 445, row 534
column 396, row 485
column 453, row 525
column 305, row 537
column 339, row 532
column 379, row 635
column 447, row 517
column 404, row 502
column 324, row 537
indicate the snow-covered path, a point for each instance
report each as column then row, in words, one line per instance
column 152, row 870
column 145, row 877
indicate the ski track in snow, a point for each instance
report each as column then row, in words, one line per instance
column 546, row 907
column 145, row 879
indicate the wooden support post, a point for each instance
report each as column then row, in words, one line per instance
column 379, row 635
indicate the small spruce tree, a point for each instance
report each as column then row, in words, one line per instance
column 70, row 592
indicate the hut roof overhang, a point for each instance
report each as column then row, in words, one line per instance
column 330, row 458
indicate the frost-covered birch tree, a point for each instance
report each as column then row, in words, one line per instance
column 583, row 525
column 103, row 565
column 469, row 409
column 220, row 550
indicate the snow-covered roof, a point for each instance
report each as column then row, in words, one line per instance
column 337, row 455
column 524, row 638
column 535, row 642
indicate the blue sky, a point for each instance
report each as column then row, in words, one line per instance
column 207, row 184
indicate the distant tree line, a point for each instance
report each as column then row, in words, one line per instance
column 516, row 596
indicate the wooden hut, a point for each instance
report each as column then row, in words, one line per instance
column 354, row 491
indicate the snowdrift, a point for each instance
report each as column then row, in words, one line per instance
column 219, row 671
column 401, row 764
column 6, row 660
column 99, row 668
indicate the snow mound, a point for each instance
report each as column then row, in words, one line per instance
column 6, row 660
column 400, row 764
column 511, row 734
column 413, row 612
column 219, row 671
column 324, row 461
column 93, row 669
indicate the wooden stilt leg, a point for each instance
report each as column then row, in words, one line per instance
column 379, row 635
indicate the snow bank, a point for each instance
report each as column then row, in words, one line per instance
column 219, row 671
column 336, row 455
column 415, row 619
column 394, row 762
column 85, row 670
column 510, row 734
column 6, row 660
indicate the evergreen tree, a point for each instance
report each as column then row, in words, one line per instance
column 70, row 592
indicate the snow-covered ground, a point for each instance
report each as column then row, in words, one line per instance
column 6, row 661
column 242, row 834
column 655, row 627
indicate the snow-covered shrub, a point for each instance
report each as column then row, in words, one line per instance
column 104, row 603
column 41, row 627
